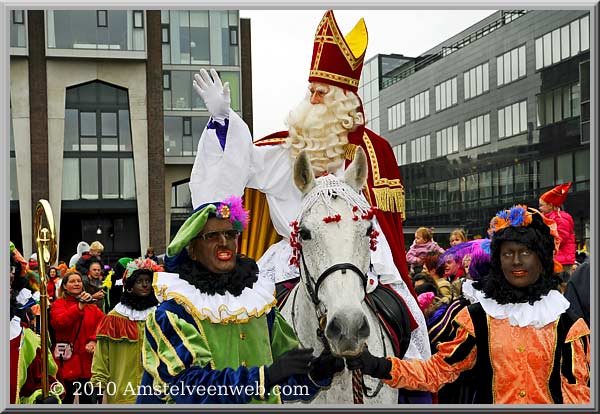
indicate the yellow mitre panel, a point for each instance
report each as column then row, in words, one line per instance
column 358, row 38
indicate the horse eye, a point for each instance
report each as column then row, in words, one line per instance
column 304, row 233
column 369, row 230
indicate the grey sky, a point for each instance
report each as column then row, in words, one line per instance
column 282, row 43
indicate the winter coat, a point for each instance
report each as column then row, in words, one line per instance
column 417, row 251
column 65, row 318
column 566, row 231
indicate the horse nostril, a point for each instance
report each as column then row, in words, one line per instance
column 334, row 329
column 364, row 330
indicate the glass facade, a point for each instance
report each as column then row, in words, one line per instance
column 562, row 43
column 200, row 37
column 368, row 90
column 98, row 152
column 115, row 30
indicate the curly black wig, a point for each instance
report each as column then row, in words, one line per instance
column 128, row 298
column 537, row 238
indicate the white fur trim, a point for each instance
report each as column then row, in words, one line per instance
column 132, row 314
column 217, row 308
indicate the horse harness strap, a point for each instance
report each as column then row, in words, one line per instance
column 314, row 291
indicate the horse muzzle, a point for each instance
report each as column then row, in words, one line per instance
column 347, row 333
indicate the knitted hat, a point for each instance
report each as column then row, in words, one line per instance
column 557, row 195
column 425, row 299
column 230, row 209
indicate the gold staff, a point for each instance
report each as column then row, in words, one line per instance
column 45, row 238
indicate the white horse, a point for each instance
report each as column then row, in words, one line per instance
column 329, row 295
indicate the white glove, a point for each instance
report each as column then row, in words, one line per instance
column 215, row 95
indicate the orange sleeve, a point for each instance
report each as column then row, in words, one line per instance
column 577, row 391
column 452, row 358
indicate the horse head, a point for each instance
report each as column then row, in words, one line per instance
column 334, row 233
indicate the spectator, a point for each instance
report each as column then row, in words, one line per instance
column 150, row 254
column 457, row 236
column 550, row 205
column 53, row 277
column 422, row 244
column 75, row 319
column 92, row 282
column 421, row 278
column 430, row 265
column 578, row 292
column 93, row 255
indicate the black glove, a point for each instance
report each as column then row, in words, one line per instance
column 295, row 361
column 325, row 366
column 51, row 399
column 377, row 367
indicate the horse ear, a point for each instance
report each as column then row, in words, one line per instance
column 304, row 178
column 356, row 174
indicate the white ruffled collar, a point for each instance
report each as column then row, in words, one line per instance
column 133, row 314
column 15, row 327
column 544, row 311
column 252, row 302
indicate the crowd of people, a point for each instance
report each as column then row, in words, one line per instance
column 207, row 316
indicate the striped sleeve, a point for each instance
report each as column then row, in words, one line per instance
column 178, row 362
column 452, row 358
column 575, row 365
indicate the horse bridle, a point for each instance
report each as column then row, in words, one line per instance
column 313, row 292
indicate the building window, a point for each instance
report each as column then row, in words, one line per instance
column 447, row 140
column 477, row 131
column 512, row 119
column 102, row 18
column 420, row 149
column 201, row 37
column 18, row 17
column 181, row 197
column 477, row 80
column 18, row 34
column 98, row 153
column 112, row 30
column 182, row 135
column 511, row 66
column 400, row 153
column 138, row 19
column 419, row 106
column 233, row 35
column 562, row 43
column 584, row 76
column 181, row 97
column 445, row 94
column 165, row 34
column 397, row 116
column 558, row 104
column 167, row 80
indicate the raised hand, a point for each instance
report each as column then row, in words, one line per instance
column 216, row 96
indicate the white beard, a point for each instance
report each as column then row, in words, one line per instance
column 321, row 131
